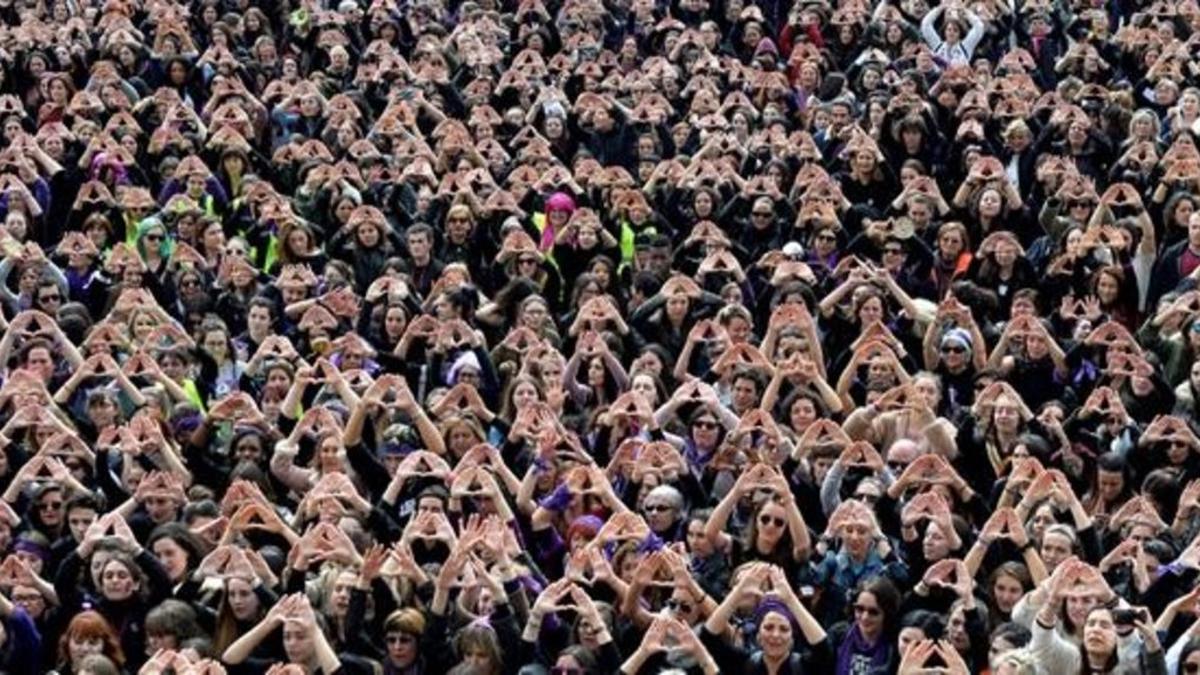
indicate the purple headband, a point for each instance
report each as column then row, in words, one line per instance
column 26, row 546
column 771, row 604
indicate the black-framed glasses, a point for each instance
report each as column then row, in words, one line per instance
column 761, row 214
column 704, row 424
column 50, row 506
column 55, row 297
column 897, row 467
column 953, row 349
column 768, row 520
column 154, row 237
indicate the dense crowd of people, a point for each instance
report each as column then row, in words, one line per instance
column 576, row 338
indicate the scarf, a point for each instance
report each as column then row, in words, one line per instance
column 856, row 656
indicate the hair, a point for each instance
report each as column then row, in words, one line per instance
column 405, row 620
column 175, row 618
column 479, row 637
column 181, row 535
column 1023, row 661
column 886, row 595
column 98, row 664
column 90, row 625
column 928, row 622
column 583, row 656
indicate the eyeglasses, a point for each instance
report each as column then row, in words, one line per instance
column 154, row 237
column 953, row 349
column 400, row 639
column 656, row 508
column 769, row 520
column 49, row 506
column 761, row 214
column 52, row 298
column 528, row 261
column 681, row 606
column 896, row 466
column 704, row 424
column 869, row 611
column 189, row 283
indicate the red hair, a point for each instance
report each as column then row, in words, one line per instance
column 91, row 625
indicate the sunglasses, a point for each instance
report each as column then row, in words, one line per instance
column 952, row 349
column 50, row 506
column 761, row 214
column 897, row 467
column 52, row 298
column 703, row 424
column 768, row 520
column 679, row 606
column 154, row 237
column 869, row 611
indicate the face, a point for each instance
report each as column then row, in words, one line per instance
column 1055, row 549
column 775, row 635
column 802, row 414
column 745, row 394
column 79, row 520
column 660, row 513
column 870, row 311
column 705, row 431
column 40, row 362
column 935, row 545
column 524, row 395
column 243, row 603
column 771, row 523
column 80, row 647
column 173, row 558
column 1099, row 633
column 867, row 614
column 258, row 320
column 216, row 344
column 339, row 599
column 401, row 649
column 1006, row 591
column 117, row 582
column 296, row 643
column 50, row 507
